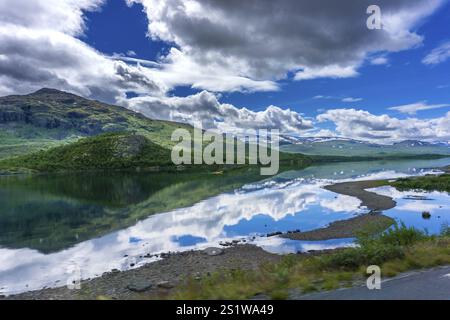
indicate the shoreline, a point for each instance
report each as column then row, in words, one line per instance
column 373, row 222
column 160, row 278
column 373, row 201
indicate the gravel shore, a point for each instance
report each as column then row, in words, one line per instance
column 345, row 228
column 350, row 228
column 371, row 200
column 158, row 279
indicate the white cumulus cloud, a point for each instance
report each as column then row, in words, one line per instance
column 205, row 109
column 360, row 124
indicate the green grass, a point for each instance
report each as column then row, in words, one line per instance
column 18, row 140
column 427, row 183
column 111, row 151
column 397, row 250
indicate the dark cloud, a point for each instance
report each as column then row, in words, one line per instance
column 38, row 48
column 268, row 38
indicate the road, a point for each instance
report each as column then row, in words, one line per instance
column 422, row 285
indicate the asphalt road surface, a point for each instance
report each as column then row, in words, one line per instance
column 422, row 285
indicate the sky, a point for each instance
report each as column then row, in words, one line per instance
column 309, row 68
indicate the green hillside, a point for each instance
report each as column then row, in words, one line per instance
column 110, row 151
column 49, row 118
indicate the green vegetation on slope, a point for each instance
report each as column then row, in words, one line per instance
column 427, row 183
column 43, row 131
column 111, row 151
column 397, row 250
column 48, row 118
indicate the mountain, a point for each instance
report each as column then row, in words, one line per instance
column 344, row 147
column 49, row 118
column 51, row 130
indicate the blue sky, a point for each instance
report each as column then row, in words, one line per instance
column 204, row 61
column 117, row 28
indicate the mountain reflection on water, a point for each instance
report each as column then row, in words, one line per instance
column 49, row 224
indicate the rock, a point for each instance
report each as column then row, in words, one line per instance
column 260, row 296
column 140, row 286
column 197, row 276
column 213, row 251
column 426, row 215
column 77, row 114
column 129, row 146
column 274, row 234
column 165, row 285
column 11, row 114
column 413, row 197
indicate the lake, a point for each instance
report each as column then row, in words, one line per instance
column 51, row 225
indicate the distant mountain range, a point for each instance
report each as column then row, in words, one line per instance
column 345, row 147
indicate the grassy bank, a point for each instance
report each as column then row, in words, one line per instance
column 397, row 250
column 427, row 183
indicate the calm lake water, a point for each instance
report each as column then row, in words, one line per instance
column 51, row 226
